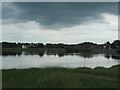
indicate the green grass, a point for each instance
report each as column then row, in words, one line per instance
column 61, row 78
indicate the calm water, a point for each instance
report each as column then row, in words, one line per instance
column 53, row 60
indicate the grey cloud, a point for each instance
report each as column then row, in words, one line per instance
column 57, row 15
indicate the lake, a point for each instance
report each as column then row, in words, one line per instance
column 67, row 60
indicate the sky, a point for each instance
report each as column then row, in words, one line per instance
column 59, row 22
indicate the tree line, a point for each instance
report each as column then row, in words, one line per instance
column 114, row 45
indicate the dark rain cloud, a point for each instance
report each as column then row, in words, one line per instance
column 51, row 14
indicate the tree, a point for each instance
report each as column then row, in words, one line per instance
column 116, row 44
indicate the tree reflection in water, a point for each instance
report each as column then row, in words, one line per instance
column 41, row 53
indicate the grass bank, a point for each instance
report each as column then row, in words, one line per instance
column 61, row 78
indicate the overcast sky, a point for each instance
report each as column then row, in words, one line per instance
column 59, row 22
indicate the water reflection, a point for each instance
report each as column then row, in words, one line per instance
column 29, row 59
column 108, row 56
column 59, row 54
column 41, row 53
column 113, row 56
column 11, row 53
column 86, row 55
